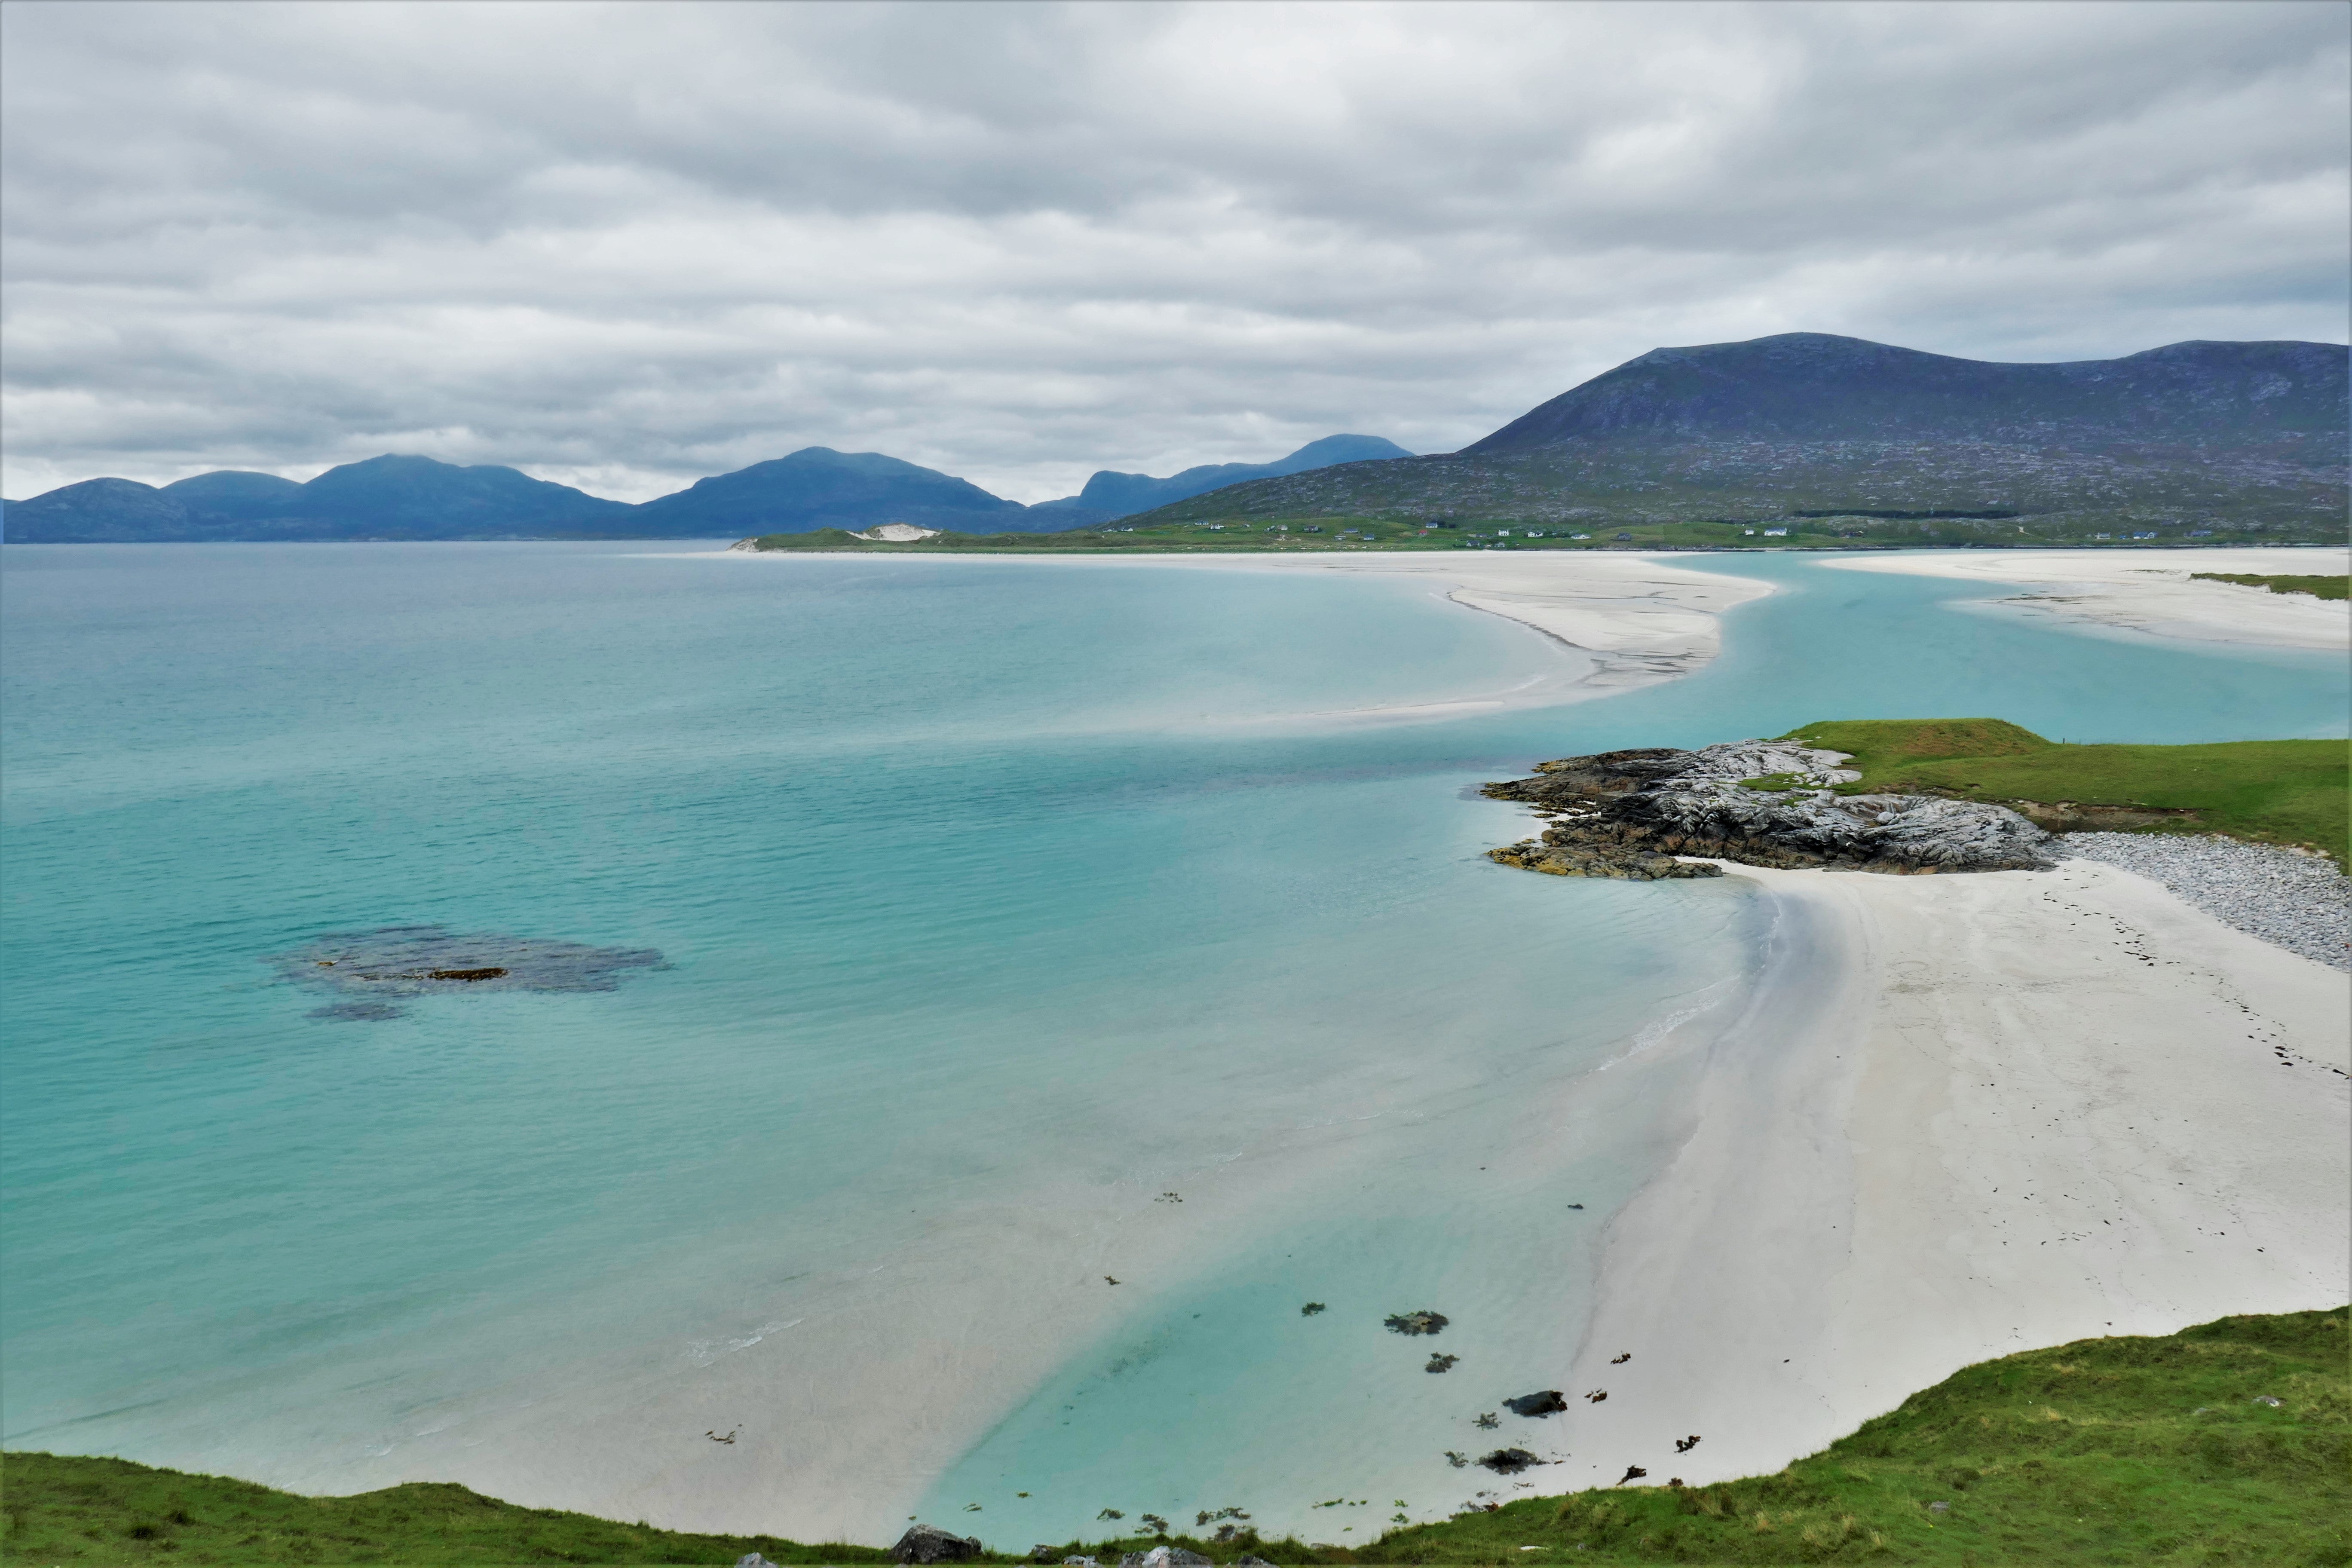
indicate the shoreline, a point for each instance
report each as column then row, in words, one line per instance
column 2154, row 591
column 2018, row 1109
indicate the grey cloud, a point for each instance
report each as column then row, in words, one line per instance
column 627, row 244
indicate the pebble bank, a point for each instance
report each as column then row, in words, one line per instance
column 2302, row 902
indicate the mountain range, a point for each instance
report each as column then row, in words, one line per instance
column 419, row 498
column 1801, row 423
column 2230, row 436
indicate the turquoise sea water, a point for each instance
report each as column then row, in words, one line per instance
column 978, row 881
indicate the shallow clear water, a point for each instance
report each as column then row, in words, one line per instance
column 979, row 883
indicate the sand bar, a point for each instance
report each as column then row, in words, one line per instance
column 1968, row 1116
column 2152, row 591
column 1637, row 620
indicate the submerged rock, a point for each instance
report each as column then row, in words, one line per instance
column 1630, row 814
column 929, row 1543
column 1417, row 1322
column 1547, row 1403
column 373, row 971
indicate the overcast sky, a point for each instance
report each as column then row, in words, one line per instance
column 625, row 246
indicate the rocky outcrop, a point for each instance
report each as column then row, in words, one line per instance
column 1548, row 1402
column 1509, row 1461
column 929, row 1543
column 1763, row 803
column 1422, row 1323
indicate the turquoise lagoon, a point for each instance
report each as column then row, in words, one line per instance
column 978, row 882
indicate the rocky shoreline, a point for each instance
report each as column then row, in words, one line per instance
column 1658, row 813
column 1640, row 815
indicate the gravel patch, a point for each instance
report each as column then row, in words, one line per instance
column 2302, row 902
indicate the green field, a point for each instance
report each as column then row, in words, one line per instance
column 1338, row 533
column 2318, row 587
column 2268, row 792
column 2118, row 1450
column 1160, row 533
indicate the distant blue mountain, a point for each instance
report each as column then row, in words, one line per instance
column 817, row 487
column 382, row 498
column 418, row 498
column 1110, row 495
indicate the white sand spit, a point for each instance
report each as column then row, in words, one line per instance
column 1644, row 620
column 1638, row 620
column 2017, row 1108
column 1641, row 620
column 2154, row 591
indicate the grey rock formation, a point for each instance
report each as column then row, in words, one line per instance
column 1631, row 814
column 929, row 1543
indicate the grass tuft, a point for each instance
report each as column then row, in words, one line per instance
column 2318, row 587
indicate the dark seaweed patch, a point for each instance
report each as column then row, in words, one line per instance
column 373, row 972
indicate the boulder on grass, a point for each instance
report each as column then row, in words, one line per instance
column 929, row 1543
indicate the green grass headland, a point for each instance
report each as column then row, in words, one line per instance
column 2227, row 1443
column 2318, row 587
column 2266, row 792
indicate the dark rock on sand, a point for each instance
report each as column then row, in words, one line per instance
column 1509, row 1461
column 929, row 1543
column 1547, row 1403
column 1417, row 1322
column 1629, row 814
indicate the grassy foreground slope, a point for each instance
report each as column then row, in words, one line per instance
column 2108, row 1450
column 2159, row 1451
column 2270, row 791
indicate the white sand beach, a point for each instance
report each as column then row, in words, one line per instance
column 2152, row 591
column 2011, row 1109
